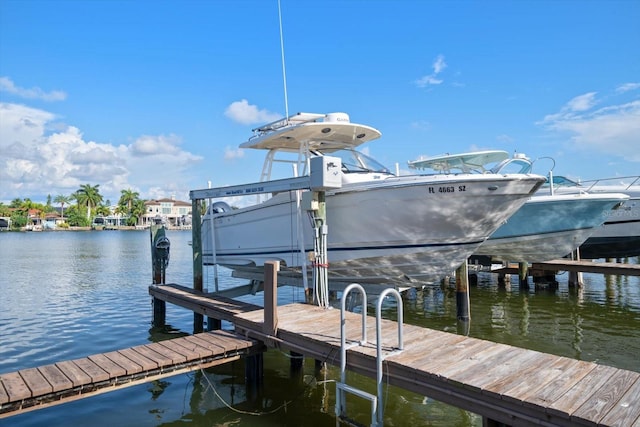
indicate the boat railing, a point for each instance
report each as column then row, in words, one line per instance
column 296, row 119
column 635, row 180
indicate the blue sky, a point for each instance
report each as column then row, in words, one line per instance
column 156, row 96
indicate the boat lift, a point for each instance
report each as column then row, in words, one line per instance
column 322, row 177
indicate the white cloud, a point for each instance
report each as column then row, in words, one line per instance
column 247, row 114
column 233, row 153
column 627, row 87
column 613, row 129
column 421, row 125
column 438, row 66
column 35, row 162
column 152, row 145
column 582, row 102
column 7, row 85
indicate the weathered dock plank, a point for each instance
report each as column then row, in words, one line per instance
column 599, row 404
column 4, row 397
column 15, row 386
column 55, row 377
column 95, row 372
column 139, row 359
column 511, row 385
column 72, row 371
column 129, row 366
column 35, row 381
column 69, row 380
column 585, row 266
column 110, row 367
column 219, row 308
column 627, row 411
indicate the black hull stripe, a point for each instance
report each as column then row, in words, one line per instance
column 360, row 248
column 629, row 221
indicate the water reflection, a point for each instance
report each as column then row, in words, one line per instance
column 58, row 308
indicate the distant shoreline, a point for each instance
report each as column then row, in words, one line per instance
column 120, row 228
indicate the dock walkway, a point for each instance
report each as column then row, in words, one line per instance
column 61, row 382
column 508, row 384
column 577, row 266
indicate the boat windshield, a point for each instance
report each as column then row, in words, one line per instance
column 355, row 162
column 514, row 165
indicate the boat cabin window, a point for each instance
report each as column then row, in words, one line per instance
column 355, row 161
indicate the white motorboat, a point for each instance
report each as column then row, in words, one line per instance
column 619, row 236
column 546, row 226
column 382, row 228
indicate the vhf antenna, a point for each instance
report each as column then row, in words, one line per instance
column 284, row 71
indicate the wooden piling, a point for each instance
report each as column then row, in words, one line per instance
column 523, row 274
column 159, row 306
column 575, row 277
column 270, row 326
column 462, row 293
column 196, row 245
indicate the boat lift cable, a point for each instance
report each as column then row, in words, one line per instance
column 320, row 264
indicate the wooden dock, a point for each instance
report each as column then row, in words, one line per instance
column 511, row 385
column 554, row 266
column 61, row 382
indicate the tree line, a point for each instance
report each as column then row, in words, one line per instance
column 78, row 208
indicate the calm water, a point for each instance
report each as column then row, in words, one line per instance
column 71, row 294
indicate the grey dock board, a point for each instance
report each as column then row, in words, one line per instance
column 627, row 410
column 576, row 266
column 55, row 377
column 72, row 371
column 219, row 308
column 69, row 380
column 505, row 383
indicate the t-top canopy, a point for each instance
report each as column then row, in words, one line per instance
column 324, row 132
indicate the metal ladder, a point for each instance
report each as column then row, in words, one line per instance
column 342, row 387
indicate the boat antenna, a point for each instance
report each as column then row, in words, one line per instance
column 284, row 72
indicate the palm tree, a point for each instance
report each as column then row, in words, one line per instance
column 127, row 199
column 61, row 200
column 88, row 196
column 137, row 211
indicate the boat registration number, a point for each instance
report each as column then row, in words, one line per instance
column 447, row 189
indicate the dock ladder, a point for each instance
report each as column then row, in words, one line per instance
column 342, row 387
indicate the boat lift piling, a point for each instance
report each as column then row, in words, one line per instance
column 462, row 294
column 160, row 247
column 323, row 176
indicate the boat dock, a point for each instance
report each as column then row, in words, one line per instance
column 61, row 382
column 554, row 266
column 502, row 383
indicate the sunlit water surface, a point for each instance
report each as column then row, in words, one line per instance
column 66, row 295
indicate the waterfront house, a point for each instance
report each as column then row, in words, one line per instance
column 171, row 212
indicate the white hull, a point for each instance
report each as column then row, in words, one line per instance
column 619, row 236
column 393, row 230
column 550, row 227
column 534, row 248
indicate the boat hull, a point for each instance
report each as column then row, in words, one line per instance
column 398, row 230
column 550, row 227
column 619, row 236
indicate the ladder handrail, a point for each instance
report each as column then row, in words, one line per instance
column 341, row 386
column 343, row 327
column 379, row 341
